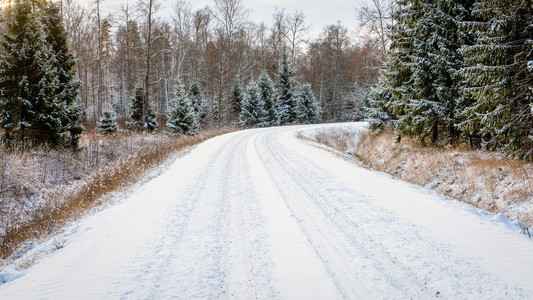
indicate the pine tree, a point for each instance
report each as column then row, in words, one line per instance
column 67, row 92
column 253, row 108
column 182, row 117
column 138, row 120
column 270, row 100
column 107, row 124
column 29, row 106
column 285, row 86
column 308, row 109
column 498, row 78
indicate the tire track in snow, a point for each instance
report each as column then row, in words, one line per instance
column 173, row 258
column 360, row 269
column 246, row 256
column 221, row 220
column 258, row 214
column 398, row 252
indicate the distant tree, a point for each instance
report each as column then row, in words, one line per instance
column 356, row 102
column 378, row 18
column 295, row 32
column 182, row 117
column 138, row 120
column 285, row 85
column 107, row 124
column 253, row 108
column 197, row 102
column 237, row 99
column 308, row 109
column 270, row 99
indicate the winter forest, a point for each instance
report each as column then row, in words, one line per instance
column 205, row 68
column 451, row 72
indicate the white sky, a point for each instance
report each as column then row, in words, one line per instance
column 319, row 13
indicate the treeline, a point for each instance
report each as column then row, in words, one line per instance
column 460, row 71
column 113, row 57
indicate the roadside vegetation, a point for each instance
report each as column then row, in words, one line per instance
column 43, row 189
column 485, row 179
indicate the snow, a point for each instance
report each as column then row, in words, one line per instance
column 261, row 214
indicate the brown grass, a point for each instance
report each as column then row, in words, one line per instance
column 41, row 190
column 338, row 139
column 485, row 179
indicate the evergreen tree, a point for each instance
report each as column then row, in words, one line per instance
column 138, row 120
column 136, row 110
column 107, row 124
column 420, row 87
column 150, row 119
column 498, row 78
column 270, row 100
column 182, row 117
column 308, row 109
column 285, row 85
column 67, row 92
column 253, row 108
column 237, row 98
column 386, row 105
column 197, row 102
column 355, row 103
column 379, row 112
column 29, row 108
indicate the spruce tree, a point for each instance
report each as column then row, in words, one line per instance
column 270, row 100
column 29, row 108
column 308, row 109
column 387, row 103
column 197, row 102
column 138, row 120
column 237, row 98
column 182, row 117
column 498, row 78
column 150, row 119
column 253, row 108
column 285, row 86
column 64, row 63
column 420, row 87
column 136, row 110
column 107, row 124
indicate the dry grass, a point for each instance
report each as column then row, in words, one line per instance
column 41, row 190
column 339, row 139
column 485, row 179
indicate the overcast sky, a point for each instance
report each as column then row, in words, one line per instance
column 319, row 13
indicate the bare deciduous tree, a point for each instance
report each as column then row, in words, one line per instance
column 377, row 17
column 295, row 31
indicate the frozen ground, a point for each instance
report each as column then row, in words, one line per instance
column 262, row 214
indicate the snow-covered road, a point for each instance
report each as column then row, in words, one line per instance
column 262, row 214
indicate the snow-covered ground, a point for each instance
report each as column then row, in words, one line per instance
column 262, row 214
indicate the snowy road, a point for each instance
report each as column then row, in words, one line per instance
column 261, row 214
